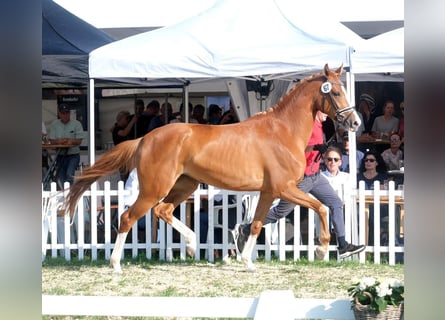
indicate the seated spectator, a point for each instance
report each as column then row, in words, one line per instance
column 366, row 108
column 215, row 113
column 393, row 154
column 402, row 122
column 230, row 116
column 181, row 116
column 385, row 124
column 366, row 111
column 373, row 168
column 339, row 180
column 198, row 114
column 344, row 165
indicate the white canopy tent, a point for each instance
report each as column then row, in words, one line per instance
column 380, row 58
column 233, row 40
column 381, row 54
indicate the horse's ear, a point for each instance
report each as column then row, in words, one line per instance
column 326, row 70
column 339, row 71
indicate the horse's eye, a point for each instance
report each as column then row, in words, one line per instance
column 336, row 94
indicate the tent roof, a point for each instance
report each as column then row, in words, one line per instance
column 231, row 39
column 383, row 53
column 66, row 42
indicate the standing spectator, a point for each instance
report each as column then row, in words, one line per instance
column 141, row 125
column 215, row 113
column 122, row 131
column 66, row 131
column 152, row 110
column 385, row 124
column 393, row 154
column 123, row 127
column 160, row 120
column 198, row 114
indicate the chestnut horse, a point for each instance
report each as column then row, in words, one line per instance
column 263, row 153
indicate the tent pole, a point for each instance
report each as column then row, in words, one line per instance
column 186, row 103
column 91, row 123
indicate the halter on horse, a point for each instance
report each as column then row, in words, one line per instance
column 263, row 153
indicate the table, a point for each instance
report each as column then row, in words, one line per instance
column 398, row 200
column 53, row 167
column 398, row 176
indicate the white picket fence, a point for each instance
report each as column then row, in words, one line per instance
column 64, row 237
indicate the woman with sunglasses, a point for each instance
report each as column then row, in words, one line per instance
column 373, row 168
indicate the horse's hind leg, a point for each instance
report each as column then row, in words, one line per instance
column 261, row 211
column 182, row 189
column 127, row 220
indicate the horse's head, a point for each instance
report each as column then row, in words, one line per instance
column 335, row 101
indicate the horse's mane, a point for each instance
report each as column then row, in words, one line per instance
column 290, row 96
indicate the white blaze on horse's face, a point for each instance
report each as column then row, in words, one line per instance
column 351, row 121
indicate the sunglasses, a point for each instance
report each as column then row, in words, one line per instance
column 395, row 140
column 332, row 159
column 369, row 160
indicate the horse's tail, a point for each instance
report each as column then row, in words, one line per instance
column 120, row 157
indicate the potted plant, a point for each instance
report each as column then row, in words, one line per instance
column 377, row 299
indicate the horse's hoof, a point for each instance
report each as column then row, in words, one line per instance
column 251, row 268
column 320, row 252
column 191, row 248
column 116, row 268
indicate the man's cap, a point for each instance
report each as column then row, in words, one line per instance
column 63, row 107
column 370, row 100
column 367, row 98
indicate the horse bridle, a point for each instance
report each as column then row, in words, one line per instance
column 326, row 89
